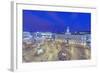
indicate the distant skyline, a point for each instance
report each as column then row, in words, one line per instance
column 56, row 22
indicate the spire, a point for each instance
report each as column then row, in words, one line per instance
column 68, row 31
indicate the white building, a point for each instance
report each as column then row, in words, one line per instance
column 42, row 35
column 27, row 37
column 74, row 38
column 83, row 39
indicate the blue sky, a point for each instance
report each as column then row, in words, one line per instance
column 56, row 22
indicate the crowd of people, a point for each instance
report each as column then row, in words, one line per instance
column 54, row 50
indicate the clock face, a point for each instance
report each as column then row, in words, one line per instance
column 56, row 36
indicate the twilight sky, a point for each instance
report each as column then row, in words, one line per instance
column 56, row 22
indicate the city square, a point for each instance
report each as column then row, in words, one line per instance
column 48, row 48
column 55, row 36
